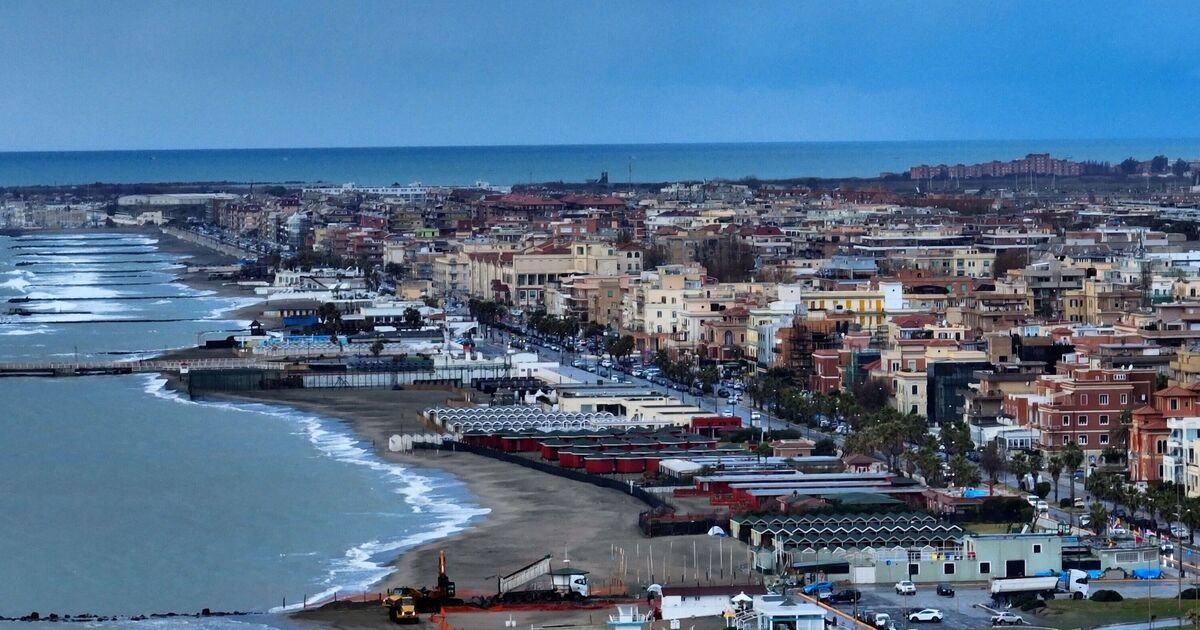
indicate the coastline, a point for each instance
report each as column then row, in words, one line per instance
column 529, row 514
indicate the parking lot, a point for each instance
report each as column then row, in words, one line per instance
column 959, row 610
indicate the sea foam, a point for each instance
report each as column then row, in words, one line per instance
column 365, row 564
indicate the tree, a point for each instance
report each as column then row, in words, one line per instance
column 1180, row 168
column 708, row 375
column 962, row 472
column 728, row 258
column 1099, row 516
column 1072, row 457
column 825, row 447
column 1054, row 466
column 956, row 437
column 412, row 317
column 927, row 461
column 1019, row 466
column 376, row 347
column 330, row 317
column 1160, row 164
column 872, row 394
column 991, row 461
column 1129, row 166
column 1042, row 489
column 655, row 256
column 620, row 347
column 1015, row 258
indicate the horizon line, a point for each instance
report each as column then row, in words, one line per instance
column 586, row 144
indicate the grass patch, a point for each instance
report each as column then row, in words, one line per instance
column 992, row 528
column 1068, row 613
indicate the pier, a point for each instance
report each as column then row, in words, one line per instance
column 92, row 368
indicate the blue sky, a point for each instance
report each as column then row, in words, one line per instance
column 132, row 74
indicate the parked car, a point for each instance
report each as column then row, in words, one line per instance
column 1085, row 520
column 1031, row 500
column 945, row 590
column 1042, row 507
column 815, row 587
column 932, row 615
column 906, row 587
column 846, row 596
column 723, row 393
column 1007, row 619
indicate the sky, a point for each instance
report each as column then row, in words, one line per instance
column 87, row 75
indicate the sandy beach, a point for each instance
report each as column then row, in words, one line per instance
column 531, row 514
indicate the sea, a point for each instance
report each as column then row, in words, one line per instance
column 509, row 165
column 121, row 497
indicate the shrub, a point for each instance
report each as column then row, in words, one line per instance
column 1190, row 593
column 1065, row 503
column 1105, row 595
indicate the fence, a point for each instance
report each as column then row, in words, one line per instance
column 249, row 379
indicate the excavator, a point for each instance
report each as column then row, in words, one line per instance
column 404, row 604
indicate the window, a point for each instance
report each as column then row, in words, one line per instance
column 1103, row 399
column 1174, row 404
column 914, row 569
column 1037, row 548
column 985, row 568
column 1082, row 420
column 1083, row 399
column 948, row 568
column 1103, row 419
column 1066, row 420
column 1104, row 438
column 1083, row 440
column 1066, row 439
column 1124, row 397
column 914, row 390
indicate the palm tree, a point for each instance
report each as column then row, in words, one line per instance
column 1099, row 516
column 1072, row 457
column 1019, row 465
column 1055, row 467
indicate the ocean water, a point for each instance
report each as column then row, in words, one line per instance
column 120, row 497
column 507, row 165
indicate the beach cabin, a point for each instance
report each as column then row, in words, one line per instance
column 776, row 612
column 683, row 602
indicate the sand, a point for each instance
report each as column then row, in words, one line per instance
column 532, row 514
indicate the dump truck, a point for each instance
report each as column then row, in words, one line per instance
column 401, row 605
column 527, row 584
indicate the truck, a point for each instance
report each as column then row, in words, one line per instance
column 404, row 604
column 1073, row 581
column 565, row 583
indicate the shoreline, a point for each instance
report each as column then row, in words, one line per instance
column 529, row 514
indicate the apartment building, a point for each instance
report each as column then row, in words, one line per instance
column 1099, row 302
column 524, row 275
column 650, row 308
column 1080, row 404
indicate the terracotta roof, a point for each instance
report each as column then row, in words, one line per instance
column 1174, row 392
column 1146, row 410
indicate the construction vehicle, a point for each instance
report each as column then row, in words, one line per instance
column 401, row 605
column 404, row 604
column 565, row 583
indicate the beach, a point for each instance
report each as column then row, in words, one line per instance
column 530, row 514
